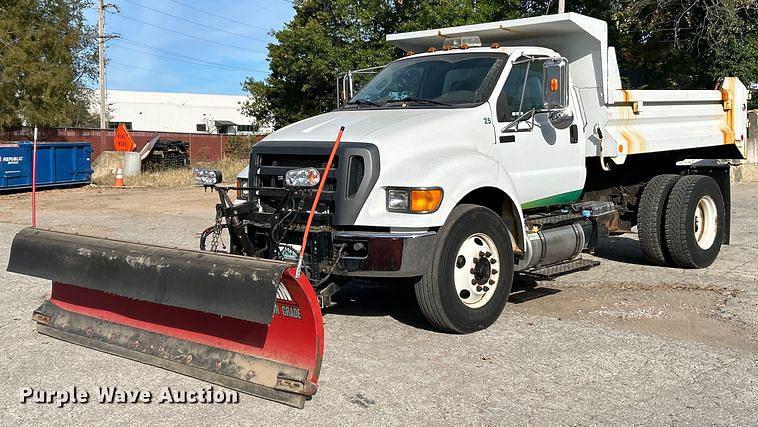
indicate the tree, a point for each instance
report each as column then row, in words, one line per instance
column 689, row 45
column 660, row 43
column 327, row 37
column 47, row 58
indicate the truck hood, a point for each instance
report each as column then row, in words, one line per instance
column 380, row 127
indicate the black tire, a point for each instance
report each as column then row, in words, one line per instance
column 435, row 291
column 680, row 221
column 650, row 218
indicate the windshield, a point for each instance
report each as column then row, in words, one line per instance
column 458, row 79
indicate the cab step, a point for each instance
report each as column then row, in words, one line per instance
column 566, row 267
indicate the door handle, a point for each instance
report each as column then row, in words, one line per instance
column 574, row 134
column 507, row 138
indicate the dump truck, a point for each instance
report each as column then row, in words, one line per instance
column 487, row 150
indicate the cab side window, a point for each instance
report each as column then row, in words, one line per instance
column 524, row 79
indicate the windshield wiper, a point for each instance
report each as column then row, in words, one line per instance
column 363, row 102
column 420, row 100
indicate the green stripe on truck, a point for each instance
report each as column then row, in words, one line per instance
column 558, row 199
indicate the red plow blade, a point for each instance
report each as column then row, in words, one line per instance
column 244, row 323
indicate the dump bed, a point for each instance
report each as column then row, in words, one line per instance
column 649, row 121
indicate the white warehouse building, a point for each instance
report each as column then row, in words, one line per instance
column 178, row 112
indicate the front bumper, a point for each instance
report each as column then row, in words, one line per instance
column 385, row 254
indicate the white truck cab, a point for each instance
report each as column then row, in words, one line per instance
column 503, row 147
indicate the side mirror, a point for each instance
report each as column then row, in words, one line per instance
column 556, row 94
column 555, row 83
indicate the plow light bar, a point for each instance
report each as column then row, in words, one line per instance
column 461, row 42
column 205, row 176
column 307, row 177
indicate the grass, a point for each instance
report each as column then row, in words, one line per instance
column 177, row 177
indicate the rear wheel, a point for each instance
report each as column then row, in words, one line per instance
column 470, row 278
column 650, row 218
column 695, row 221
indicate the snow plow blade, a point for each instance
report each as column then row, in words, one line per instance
column 244, row 323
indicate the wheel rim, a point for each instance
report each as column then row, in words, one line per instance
column 705, row 225
column 476, row 270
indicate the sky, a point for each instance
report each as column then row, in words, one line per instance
column 189, row 45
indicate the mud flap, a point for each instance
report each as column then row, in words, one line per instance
column 240, row 322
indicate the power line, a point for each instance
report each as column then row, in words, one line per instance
column 197, row 23
column 260, row 6
column 185, row 57
column 225, row 18
column 190, row 35
column 175, row 75
column 184, row 61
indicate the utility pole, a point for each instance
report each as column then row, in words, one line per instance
column 561, row 6
column 101, row 56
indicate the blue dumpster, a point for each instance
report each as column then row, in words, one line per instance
column 58, row 164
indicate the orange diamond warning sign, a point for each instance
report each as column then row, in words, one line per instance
column 123, row 141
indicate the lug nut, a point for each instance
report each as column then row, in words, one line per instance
column 481, row 254
column 473, row 281
column 478, row 288
column 488, row 254
column 492, row 282
column 494, row 271
column 486, row 288
column 472, row 271
column 493, row 261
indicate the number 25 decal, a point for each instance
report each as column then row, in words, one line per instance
column 487, row 121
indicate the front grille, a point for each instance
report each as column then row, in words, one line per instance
column 272, row 168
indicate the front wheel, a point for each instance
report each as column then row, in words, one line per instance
column 470, row 278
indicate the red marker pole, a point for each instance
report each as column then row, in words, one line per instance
column 34, row 180
column 315, row 202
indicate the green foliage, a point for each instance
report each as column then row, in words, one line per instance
column 659, row 43
column 239, row 146
column 47, row 55
column 687, row 45
column 329, row 37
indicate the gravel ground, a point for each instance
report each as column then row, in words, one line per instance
column 623, row 343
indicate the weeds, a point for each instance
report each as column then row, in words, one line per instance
column 177, row 177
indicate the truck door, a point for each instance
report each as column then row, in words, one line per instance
column 546, row 164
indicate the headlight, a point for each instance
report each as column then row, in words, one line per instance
column 397, row 200
column 307, row 177
column 242, row 193
column 414, row 200
column 206, row 176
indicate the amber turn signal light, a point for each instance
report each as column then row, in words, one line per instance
column 426, row 200
column 554, row 84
